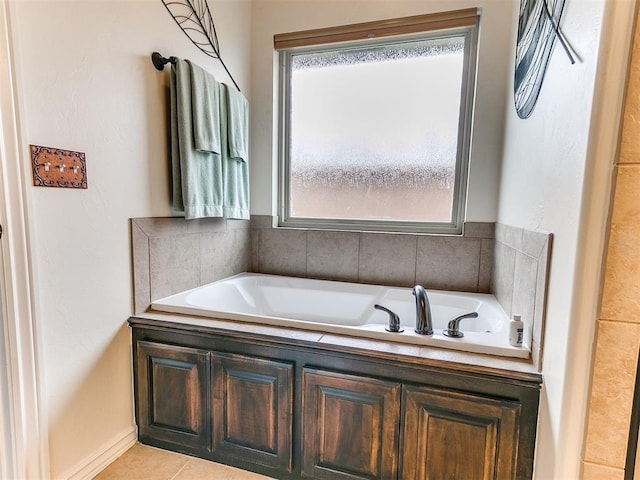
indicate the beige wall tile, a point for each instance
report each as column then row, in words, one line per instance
column 612, row 393
column 387, row 259
column 523, row 299
column 140, row 257
column 333, row 255
column 535, row 243
column 161, row 226
column 283, row 252
column 542, row 282
column 255, row 249
column 485, row 274
column 621, row 294
column 448, row 263
column 174, row 264
column 617, row 344
column 262, row 221
column 600, row 472
column 504, row 264
column 630, row 142
column 479, row 229
column 224, row 254
column 173, row 254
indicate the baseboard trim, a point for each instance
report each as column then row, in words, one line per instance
column 102, row 457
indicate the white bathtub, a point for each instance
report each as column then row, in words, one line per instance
column 347, row 308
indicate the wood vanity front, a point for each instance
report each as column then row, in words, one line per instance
column 294, row 408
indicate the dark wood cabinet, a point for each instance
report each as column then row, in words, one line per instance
column 458, row 435
column 349, row 426
column 172, row 385
column 252, row 409
column 293, row 409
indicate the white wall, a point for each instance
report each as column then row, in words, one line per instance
column 494, row 60
column 85, row 82
column 548, row 184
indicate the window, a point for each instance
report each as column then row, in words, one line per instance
column 375, row 124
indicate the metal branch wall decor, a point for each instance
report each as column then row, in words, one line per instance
column 538, row 28
column 194, row 18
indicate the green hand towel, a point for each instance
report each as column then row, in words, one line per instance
column 235, row 153
column 205, row 104
column 238, row 122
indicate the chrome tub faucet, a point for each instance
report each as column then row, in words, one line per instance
column 424, row 322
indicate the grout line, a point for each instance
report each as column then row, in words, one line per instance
column 259, row 253
column 255, row 233
column 306, row 254
column 149, row 270
column 359, row 252
column 181, row 469
column 479, row 267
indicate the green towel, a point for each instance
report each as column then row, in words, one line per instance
column 205, row 102
column 235, row 134
column 176, row 177
column 238, row 122
column 197, row 176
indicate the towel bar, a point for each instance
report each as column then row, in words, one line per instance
column 159, row 61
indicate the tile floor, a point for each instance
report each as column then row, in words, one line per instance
column 141, row 462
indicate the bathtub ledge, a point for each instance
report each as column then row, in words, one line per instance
column 512, row 368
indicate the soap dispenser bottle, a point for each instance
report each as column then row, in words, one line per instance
column 516, row 330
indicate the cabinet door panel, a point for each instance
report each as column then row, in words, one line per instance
column 252, row 409
column 349, row 426
column 457, row 436
column 173, row 383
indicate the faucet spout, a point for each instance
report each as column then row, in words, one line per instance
column 424, row 322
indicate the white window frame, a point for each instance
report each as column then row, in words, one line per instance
column 432, row 26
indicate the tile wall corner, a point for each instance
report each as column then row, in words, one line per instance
column 171, row 254
column 520, row 277
column 140, row 267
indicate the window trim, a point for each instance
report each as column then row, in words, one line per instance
column 382, row 28
column 400, row 30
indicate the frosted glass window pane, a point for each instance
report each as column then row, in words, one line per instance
column 374, row 131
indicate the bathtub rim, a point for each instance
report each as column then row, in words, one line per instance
column 408, row 337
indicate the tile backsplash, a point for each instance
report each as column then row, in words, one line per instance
column 447, row 262
column 173, row 254
column 520, row 276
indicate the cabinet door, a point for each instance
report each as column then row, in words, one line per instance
column 252, row 409
column 457, row 436
column 349, row 426
column 172, row 388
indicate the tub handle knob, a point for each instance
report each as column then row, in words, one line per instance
column 453, row 328
column 394, row 320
